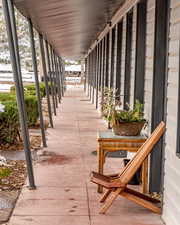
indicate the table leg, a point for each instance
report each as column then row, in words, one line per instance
column 145, row 176
column 100, row 165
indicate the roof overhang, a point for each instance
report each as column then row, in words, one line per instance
column 70, row 26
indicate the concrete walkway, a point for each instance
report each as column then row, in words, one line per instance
column 64, row 195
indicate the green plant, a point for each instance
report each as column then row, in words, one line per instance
column 5, row 172
column 109, row 103
column 30, row 89
column 31, row 105
column 7, row 97
column 135, row 115
column 9, row 120
column 9, row 123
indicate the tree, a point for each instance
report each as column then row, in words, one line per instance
column 23, row 39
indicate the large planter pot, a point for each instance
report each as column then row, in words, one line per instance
column 128, row 129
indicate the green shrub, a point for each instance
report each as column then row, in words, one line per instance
column 7, row 97
column 9, row 122
column 30, row 89
column 31, row 104
column 5, row 172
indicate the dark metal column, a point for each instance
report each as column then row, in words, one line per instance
column 85, row 80
column 107, row 61
column 91, row 74
column 94, row 73
column 57, row 76
column 112, row 56
column 97, row 75
column 88, row 60
column 35, row 69
column 127, row 78
column 60, row 75
column 160, row 84
column 119, row 58
column 54, row 77
column 102, row 70
column 140, row 51
column 45, row 78
column 50, row 76
column 100, row 64
column 12, row 41
column 16, row 46
column 90, row 64
column 63, row 79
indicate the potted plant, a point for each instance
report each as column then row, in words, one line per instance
column 128, row 122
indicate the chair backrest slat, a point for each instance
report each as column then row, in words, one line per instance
column 131, row 168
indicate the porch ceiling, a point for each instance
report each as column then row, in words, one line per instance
column 69, row 25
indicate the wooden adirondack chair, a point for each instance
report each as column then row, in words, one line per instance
column 117, row 184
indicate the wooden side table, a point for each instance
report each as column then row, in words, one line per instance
column 108, row 142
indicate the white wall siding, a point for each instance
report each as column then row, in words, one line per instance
column 148, row 86
column 171, row 209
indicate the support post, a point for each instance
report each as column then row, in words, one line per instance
column 54, row 77
column 60, row 75
column 88, row 60
column 102, row 70
column 93, row 73
column 85, row 73
column 35, row 69
column 107, row 61
column 57, row 77
column 127, row 77
column 97, row 75
column 8, row 9
column 90, row 73
column 50, row 76
column 45, row 78
column 119, row 59
column 160, row 84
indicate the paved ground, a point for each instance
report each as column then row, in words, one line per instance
column 64, row 195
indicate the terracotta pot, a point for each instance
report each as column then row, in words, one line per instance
column 128, row 129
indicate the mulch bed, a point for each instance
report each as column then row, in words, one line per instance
column 16, row 179
column 35, row 144
column 14, row 147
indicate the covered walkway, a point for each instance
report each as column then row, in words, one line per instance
column 64, row 194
